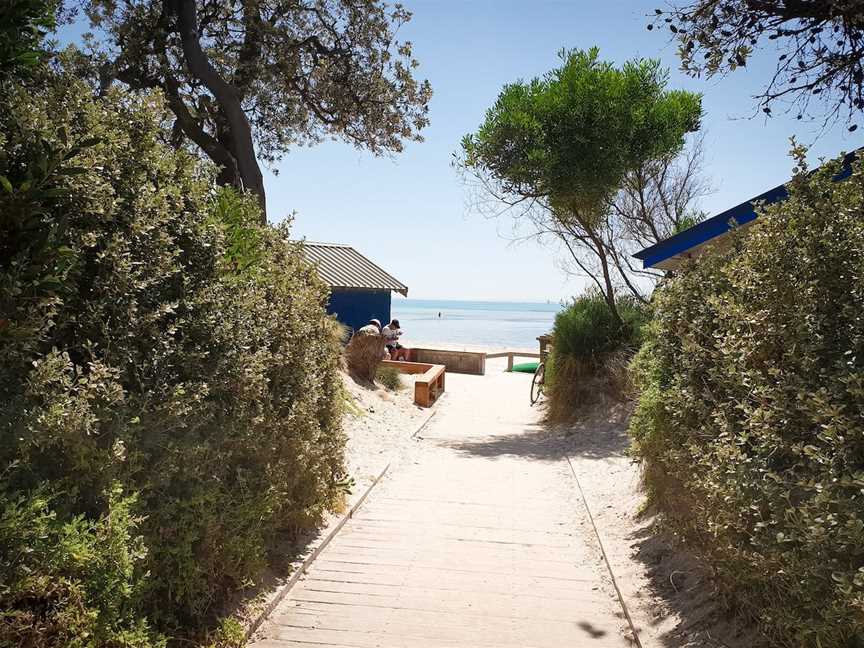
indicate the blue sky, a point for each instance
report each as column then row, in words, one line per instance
column 408, row 212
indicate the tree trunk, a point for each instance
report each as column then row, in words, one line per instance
column 608, row 288
column 239, row 130
column 609, row 293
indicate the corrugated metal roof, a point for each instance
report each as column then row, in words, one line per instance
column 341, row 266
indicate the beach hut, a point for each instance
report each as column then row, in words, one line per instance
column 690, row 243
column 359, row 289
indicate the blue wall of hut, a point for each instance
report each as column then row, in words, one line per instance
column 355, row 308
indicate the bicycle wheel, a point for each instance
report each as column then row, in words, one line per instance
column 537, row 383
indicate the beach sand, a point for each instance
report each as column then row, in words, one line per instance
column 481, row 348
column 669, row 592
column 379, row 425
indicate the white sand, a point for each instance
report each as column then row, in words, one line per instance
column 379, row 426
column 450, row 346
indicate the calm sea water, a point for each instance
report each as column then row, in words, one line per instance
column 467, row 324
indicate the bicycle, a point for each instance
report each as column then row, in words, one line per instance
column 538, row 382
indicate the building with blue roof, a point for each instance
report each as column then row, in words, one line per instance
column 671, row 252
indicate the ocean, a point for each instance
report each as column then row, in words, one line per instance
column 473, row 324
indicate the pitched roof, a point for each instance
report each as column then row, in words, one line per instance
column 341, row 266
column 669, row 253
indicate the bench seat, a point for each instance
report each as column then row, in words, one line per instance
column 428, row 386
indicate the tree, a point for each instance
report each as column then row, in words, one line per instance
column 655, row 201
column 820, row 45
column 247, row 77
column 556, row 150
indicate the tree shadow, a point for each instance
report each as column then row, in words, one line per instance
column 679, row 599
column 595, row 438
column 532, row 442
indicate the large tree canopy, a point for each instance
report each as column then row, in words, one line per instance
column 247, row 79
column 559, row 147
column 570, row 136
column 819, row 48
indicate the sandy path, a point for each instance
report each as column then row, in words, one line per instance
column 479, row 540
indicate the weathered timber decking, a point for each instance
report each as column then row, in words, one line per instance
column 481, row 541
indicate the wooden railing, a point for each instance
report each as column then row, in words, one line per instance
column 512, row 354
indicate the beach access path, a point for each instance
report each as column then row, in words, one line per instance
column 478, row 539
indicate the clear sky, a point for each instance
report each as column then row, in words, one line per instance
column 409, row 212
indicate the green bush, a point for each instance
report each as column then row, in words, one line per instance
column 390, row 377
column 73, row 582
column 585, row 367
column 750, row 421
column 586, row 328
column 153, row 336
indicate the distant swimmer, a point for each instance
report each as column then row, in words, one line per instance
column 439, row 314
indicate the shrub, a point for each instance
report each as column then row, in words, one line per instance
column 364, row 353
column 389, row 377
column 70, row 582
column 586, row 365
column 750, row 421
column 152, row 335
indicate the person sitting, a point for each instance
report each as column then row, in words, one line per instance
column 391, row 334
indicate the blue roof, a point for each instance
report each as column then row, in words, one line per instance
column 667, row 253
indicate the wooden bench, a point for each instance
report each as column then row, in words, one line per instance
column 428, row 386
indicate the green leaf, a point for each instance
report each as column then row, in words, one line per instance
column 7, row 186
column 71, row 171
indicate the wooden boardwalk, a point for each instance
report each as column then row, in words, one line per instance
column 482, row 541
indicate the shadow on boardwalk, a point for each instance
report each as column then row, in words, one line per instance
column 543, row 443
column 674, row 601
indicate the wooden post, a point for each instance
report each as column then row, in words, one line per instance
column 509, row 362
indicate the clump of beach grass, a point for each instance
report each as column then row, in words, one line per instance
column 390, row 378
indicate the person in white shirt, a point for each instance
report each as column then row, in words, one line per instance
column 391, row 334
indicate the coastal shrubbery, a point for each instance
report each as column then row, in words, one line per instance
column 587, row 365
column 168, row 378
column 750, row 422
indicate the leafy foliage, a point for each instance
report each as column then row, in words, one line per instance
column 571, row 135
column 557, row 150
column 267, row 73
column 583, row 368
column 70, row 582
column 389, row 377
column 585, row 329
column 23, row 25
column 819, row 47
column 751, row 412
column 155, row 338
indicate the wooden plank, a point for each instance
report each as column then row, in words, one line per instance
column 407, row 367
column 478, row 541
